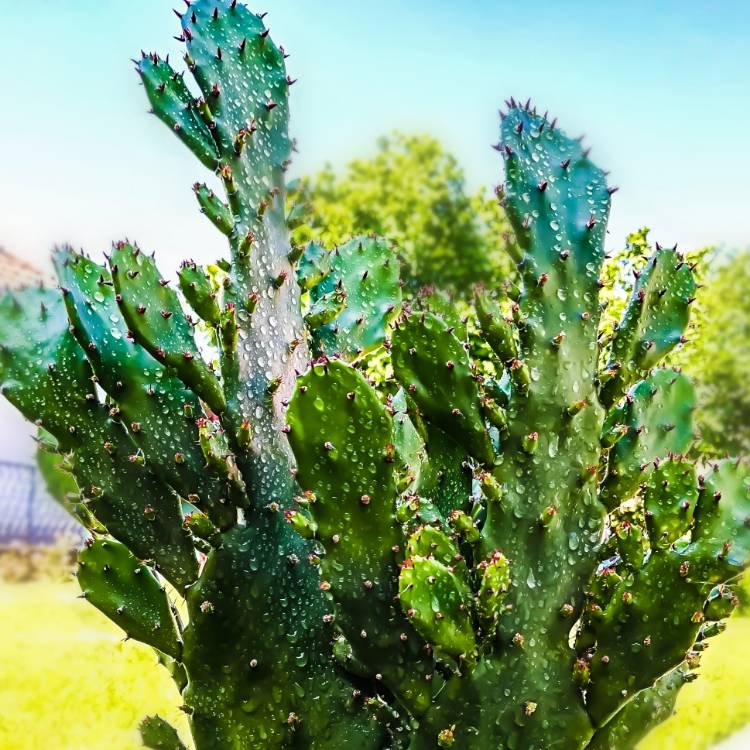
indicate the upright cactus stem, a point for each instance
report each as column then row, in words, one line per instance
column 517, row 552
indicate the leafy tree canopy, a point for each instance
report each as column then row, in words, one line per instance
column 413, row 192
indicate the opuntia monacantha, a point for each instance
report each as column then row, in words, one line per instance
column 521, row 558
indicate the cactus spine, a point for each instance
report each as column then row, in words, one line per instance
column 518, row 554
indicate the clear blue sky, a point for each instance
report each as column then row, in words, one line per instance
column 661, row 89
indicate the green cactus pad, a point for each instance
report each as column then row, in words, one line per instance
column 218, row 213
column 429, row 541
column 647, row 629
column 326, row 309
column 159, row 411
column 174, row 105
column 342, row 438
column 55, row 469
column 44, row 373
column 407, row 440
column 438, row 604
column 158, row 734
column 199, row 292
column 653, row 324
column 366, row 269
column 125, row 590
column 260, row 666
column 721, row 537
column 720, row 603
column 658, row 417
column 669, row 497
column 497, row 331
column 434, row 369
column 558, row 202
column 243, row 78
column 648, row 709
column 313, row 265
column 494, row 585
column 154, row 315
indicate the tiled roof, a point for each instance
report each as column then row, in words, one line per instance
column 15, row 272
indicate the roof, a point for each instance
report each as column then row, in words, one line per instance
column 15, row 272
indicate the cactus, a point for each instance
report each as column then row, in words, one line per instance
column 516, row 552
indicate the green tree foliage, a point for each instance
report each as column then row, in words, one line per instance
column 719, row 356
column 413, row 192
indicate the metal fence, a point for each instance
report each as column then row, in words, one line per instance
column 27, row 512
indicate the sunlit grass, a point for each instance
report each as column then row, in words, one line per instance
column 68, row 682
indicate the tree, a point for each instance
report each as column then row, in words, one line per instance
column 719, row 357
column 413, row 192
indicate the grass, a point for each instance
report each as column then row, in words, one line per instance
column 68, row 682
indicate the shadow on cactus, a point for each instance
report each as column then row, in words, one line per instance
column 526, row 561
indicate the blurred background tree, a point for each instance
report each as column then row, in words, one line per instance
column 718, row 357
column 413, row 192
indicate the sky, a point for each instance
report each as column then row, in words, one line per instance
column 661, row 90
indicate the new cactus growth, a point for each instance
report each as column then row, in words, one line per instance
column 513, row 555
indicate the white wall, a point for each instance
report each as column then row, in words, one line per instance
column 16, row 435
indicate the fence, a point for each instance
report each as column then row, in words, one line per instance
column 27, row 512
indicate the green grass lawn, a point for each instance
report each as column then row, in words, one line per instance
column 68, row 682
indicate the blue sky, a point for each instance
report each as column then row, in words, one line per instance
column 661, row 90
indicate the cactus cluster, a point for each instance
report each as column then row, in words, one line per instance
column 520, row 552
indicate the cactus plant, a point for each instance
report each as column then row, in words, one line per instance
column 448, row 558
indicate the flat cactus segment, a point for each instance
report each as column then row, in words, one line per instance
column 153, row 313
column 260, row 666
column 43, row 371
column 648, row 709
column 160, row 411
column 433, row 465
column 647, row 630
column 555, row 197
column 721, row 537
column 444, row 475
column 55, row 469
column 654, row 321
column 332, row 404
column 434, row 369
column 45, row 374
column 243, row 78
column 366, row 270
column 219, row 214
column 429, row 541
column 127, row 592
column 658, row 417
column 546, row 520
column 497, row 331
column 670, row 493
column 437, row 602
column 175, row 106
column 326, row 309
column 342, row 438
column 406, row 439
column 677, row 585
column 158, row 734
column 198, row 290
column 313, row 265
column 494, row 585
column 720, row 603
